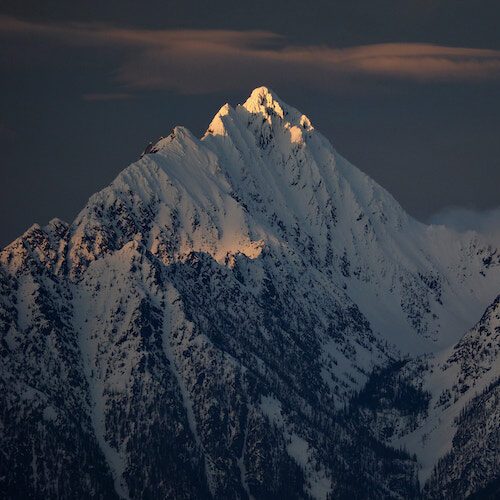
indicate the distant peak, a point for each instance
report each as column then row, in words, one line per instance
column 216, row 126
column 264, row 99
column 263, row 93
column 262, row 106
column 179, row 133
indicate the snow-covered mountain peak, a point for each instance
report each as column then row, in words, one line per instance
column 232, row 295
column 216, row 126
column 38, row 246
column 180, row 135
column 266, row 116
column 264, row 100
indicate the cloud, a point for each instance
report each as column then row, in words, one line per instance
column 485, row 222
column 200, row 61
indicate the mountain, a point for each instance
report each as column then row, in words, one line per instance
column 247, row 316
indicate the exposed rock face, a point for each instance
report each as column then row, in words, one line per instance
column 245, row 316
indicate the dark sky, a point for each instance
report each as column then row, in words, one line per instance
column 408, row 90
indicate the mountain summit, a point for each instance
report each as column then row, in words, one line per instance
column 247, row 315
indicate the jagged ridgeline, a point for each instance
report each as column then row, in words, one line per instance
column 248, row 316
